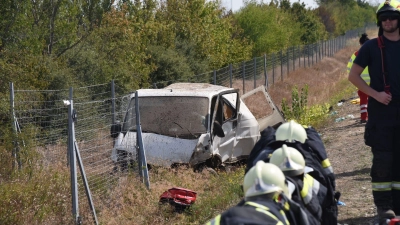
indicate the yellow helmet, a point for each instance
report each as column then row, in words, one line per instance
column 264, row 178
column 289, row 160
column 389, row 7
column 291, row 131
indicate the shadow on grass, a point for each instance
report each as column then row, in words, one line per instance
column 364, row 171
column 358, row 221
column 355, row 124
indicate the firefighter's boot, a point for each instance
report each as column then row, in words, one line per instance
column 385, row 213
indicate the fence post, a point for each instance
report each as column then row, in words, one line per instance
column 319, row 51
column 72, row 159
column 294, row 58
column 312, row 56
column 308, row 55
column 265, row 71
column 143, row 169
column 287, row 62
column 230, row 75
column 112, row 102
column 334, row 46
column 280, row 54
column 215, row 77
column 15, row 150
column 244, row 74
column 255, row 72
column 299, row 55
column 273, row 68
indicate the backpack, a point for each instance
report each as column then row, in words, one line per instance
column 314, row 153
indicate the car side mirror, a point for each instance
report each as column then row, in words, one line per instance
column 115, row 130
column 217, row 130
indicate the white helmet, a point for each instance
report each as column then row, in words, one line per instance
column 291, row 131
column 264, row 178
column 289, row 160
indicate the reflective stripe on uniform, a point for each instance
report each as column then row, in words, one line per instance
column 264, row 209
column 284, row 216
column 310, row 185
column 382, row 186
column 325, row 163
column 396, row 185
column 328, row 170
column 364, row 74
column 215, row 221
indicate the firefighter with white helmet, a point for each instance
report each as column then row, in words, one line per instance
column 289, row 160
column 264, row 178
column 310, row 151
column 265, row 202
column 291, row 131
column 310, row 193
column 295, row 134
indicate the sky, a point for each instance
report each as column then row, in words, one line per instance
column 237, row 4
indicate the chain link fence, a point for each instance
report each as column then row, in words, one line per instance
column 269, row 69
column 41, row 124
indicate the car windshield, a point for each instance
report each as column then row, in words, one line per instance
column 175, row 116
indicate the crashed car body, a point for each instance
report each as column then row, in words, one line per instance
column 187, row 123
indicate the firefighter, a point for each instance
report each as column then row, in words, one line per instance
column 366, row 78
column 382, row 131
column 311, row 193
column 309, row 138
column 308, row 142
column 265, row 201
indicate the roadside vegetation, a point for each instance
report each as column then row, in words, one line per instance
column 50, row 45
column 42, row 195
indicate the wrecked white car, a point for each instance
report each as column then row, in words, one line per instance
column 189, row 123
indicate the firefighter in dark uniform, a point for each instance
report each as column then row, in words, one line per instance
column 308, row 142
column 265, row 202
column 311, row 194
column 382, row 131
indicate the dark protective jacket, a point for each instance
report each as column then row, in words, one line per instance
column 264, row 211
column 310, row 195
column 315, row 156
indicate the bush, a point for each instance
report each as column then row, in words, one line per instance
column 300, row 112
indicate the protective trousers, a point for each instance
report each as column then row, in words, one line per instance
column 363, row 105
column 382, row 134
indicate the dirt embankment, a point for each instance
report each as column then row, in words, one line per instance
column 343, row 135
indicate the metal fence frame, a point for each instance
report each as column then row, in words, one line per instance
column 268, row 69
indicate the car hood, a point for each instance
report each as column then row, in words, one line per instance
column 160, row 150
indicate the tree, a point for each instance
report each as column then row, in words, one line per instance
column 270, row 28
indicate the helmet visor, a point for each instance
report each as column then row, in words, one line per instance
column 388, row 16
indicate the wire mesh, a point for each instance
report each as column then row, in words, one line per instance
column 277, row 65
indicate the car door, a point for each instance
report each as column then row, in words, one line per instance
column 225, row 113
column 263, row 108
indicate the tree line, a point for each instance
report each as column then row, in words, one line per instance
column 56, row 44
